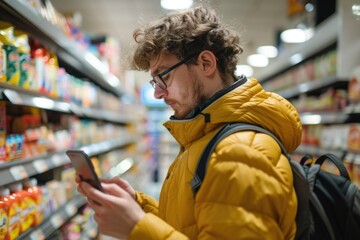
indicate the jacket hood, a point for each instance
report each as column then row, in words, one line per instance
column 244, row 101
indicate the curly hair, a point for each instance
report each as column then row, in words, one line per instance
column 187, row 33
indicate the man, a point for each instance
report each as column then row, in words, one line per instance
column 247, row 192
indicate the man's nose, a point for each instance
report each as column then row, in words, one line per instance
column 159, row 93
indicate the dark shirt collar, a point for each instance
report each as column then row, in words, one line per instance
column 242, row 79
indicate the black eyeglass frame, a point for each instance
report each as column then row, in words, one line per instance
column 154, row 82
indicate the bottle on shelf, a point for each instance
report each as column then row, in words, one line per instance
column 35, row 201
column 22, row 197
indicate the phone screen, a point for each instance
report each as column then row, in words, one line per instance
column 84, row 167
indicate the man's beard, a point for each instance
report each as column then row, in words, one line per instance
column 197, row 96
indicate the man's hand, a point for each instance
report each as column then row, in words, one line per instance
column 116, row 211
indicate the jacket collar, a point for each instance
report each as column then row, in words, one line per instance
column 198, row 109
column 198, row 121
column 244, row 101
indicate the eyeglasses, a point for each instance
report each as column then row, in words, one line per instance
column 158, row 79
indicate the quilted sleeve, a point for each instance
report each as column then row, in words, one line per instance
column 151, row 227
column 147, row 203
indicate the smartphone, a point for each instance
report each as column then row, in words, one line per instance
column 84, row 168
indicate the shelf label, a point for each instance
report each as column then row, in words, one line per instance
column 349, row 157
column 76, row 109
column 57, row 160
column 18, row 172
column 56, row 221
column 37, row 235
column 40, row 166
column 70, row 210
column 357, row 159
column 13, row 96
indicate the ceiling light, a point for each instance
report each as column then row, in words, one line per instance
column 257, row 60
column 244, row 69
column 176, row 4
column 309, row 7
column 296, row 35
column 268, row 51
column 356, row 9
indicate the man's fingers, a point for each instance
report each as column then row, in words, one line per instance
column 114, row 189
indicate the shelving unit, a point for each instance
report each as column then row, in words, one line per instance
column 52, row 224
column 19, row 96
column 313, row 86
column 67, row 50
column 25, row 168
column 332, row 34
column 326, row 34
column 81, row 64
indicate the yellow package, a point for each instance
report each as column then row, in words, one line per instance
column 23, row 48
column 10, row 52
column 2, row 63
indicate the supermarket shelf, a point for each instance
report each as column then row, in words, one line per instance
column 19, row 96
column 325, row 35
column 311, row 86
column 90, row 231
column 323, row 118
column 106, row 146
column 317, row 151
column 29, row 98
column 56, row 220
column 348, row 156
column 22, row 169
column 101, row 114
column 69, row 51
column 353, row 157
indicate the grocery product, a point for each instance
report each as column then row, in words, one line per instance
column 10, row 53
column 22, row 196
column 353, row 140
column 2, row 63
column 38, row 60
column 5, row 204
column 36, row 212
column 23, row 48
column 2, row 131
column 14, row 216
column 354, row 85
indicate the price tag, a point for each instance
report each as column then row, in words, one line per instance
column 57, row 160
column 349, row 157
column 13, row 96
column 40, row 166
column 357, row 108
column 56, row 221
column 76, row 109
column 357, row 159
column 37, row 235
column 89, row 112
column 18, row 172
column 70, row 210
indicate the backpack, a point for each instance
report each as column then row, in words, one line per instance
column 328, row 204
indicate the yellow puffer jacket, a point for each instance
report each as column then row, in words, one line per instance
column 247, row 192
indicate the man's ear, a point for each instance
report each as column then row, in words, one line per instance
column 207, row 62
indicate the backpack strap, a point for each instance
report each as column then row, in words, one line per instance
column 314, row 200
column 225, row 131
column 331, row 157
